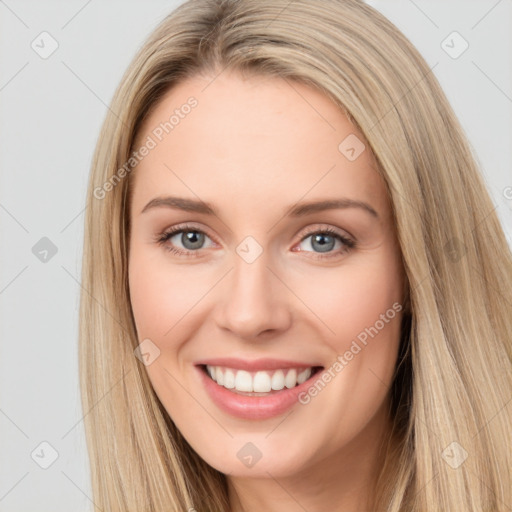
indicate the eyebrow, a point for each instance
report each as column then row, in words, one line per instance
column 297, row 210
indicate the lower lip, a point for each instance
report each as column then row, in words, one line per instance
column 253, row 407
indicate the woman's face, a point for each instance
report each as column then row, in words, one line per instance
column 283, row 260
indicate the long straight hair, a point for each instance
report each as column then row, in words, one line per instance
column 453, row 383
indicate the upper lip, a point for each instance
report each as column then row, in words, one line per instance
column 255, row 364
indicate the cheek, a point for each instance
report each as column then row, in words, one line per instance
column 361, row 306
column 162, row 300
column 162, row 294
column 148, row 298
column 355, row 297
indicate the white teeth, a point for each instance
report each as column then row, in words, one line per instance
column 229, row 379
column 243, row 381
column 261, row 382
column 304, row 376
column 278, row 380
column 258, row 382
column 291, row 379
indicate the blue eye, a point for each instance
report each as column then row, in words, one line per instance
column 191, row 239
column 324, row 241
column 321, row 242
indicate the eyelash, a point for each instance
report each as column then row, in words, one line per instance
column 163, row 237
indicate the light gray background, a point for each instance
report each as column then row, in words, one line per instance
column 51, row 112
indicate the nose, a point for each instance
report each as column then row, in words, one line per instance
column 254, row 301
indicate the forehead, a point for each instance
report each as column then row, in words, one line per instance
column 253, row 143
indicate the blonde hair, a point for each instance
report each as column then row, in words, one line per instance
column 454, row 380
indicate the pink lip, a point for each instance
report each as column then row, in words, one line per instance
column 255, row 365
column 249, row 407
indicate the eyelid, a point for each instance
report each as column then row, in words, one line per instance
column 187, row 226
column 322, row 228
column 162, row 237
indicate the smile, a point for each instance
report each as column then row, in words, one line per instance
column 261, row 381
column 283, row 387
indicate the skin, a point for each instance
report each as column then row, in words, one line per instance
column 254, row 147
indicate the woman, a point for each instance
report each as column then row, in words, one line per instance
column 287, row 305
